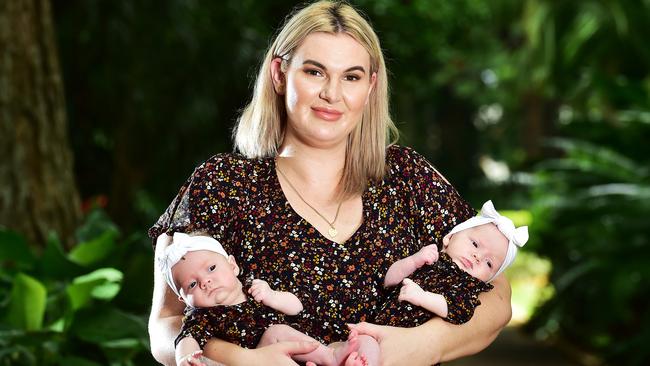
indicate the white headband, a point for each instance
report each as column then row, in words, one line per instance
column 517, row 237
column 181, row 244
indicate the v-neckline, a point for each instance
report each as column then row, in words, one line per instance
column 277, row 186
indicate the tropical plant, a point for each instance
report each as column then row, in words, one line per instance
column 60, row 307
column 591, row 208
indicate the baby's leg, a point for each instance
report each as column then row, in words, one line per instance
column 323, row 355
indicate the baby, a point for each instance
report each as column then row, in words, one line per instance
column 474, row 253
column 204, row 277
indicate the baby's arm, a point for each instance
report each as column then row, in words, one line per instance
column 404, row 267
column 188, row 352
column 282, row 301
column 414, row 294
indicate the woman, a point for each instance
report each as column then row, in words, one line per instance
column 319, row 204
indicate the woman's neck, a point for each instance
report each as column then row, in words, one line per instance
column 320, row 169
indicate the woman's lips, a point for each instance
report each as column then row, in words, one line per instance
column 327, row 114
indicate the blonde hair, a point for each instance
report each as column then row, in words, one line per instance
column 261, row 126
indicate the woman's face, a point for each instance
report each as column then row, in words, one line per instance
column 326, row 85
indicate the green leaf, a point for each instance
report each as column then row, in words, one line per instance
column 102, row 284
column 102, row 324
column 55, row 264
column 27, row 303
column 95, row 250
column 13, row 247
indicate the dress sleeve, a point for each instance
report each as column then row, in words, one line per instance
column 205, row 203
column 462, row 299
column 435, row 205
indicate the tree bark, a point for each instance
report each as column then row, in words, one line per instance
column 38, row 194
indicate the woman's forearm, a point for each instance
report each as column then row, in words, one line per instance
column 162, row 332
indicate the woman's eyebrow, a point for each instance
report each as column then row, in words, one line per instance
column 319, row 65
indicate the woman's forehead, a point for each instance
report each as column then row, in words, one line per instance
column 336, row 51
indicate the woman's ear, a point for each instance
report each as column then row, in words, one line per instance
column 373, row 82
column 278, row 76
column 233, row 265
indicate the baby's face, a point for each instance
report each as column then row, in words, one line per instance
column 479, row 250
column 205, row 278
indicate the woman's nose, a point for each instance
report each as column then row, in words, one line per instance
column 331, row 91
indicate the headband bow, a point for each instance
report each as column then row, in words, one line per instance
column 517, row 237
column 181, row 244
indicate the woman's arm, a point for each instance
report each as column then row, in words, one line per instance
column 166, row 313
column 440, row 341
column 277, row 354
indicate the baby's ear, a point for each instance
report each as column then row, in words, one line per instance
column 445, row 241
column 233, row 264
column 180, row 298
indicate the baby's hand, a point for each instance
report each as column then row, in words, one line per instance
column 426, row 255
column 410, row 292
column 260, row 290
column 192, row 359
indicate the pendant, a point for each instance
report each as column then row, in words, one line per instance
column 332, row 231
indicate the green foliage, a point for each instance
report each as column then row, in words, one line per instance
column 62, row 307
column 27, row 303
column 592, row 206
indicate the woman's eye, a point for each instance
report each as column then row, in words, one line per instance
column 192, row 285
column 212, row 267
column 352, row 77
column 313, row 72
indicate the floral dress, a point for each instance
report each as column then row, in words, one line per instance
column 242, row 324
column 240, row 203
column 443, row 277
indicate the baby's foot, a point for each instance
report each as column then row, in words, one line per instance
column 356, row 359
column 346, row 348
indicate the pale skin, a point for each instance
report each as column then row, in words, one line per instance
column 312, row 156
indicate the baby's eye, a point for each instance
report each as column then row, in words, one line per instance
column 212, row 267
column 474, row 244
column 191, row 285
column 489, row 264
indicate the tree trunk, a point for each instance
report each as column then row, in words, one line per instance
column 38, row 194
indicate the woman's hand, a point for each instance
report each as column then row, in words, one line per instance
column 280, row 353
column 275, row 354
column 397, row 344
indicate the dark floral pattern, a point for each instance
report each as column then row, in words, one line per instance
column 240, row 203
column 443, row 277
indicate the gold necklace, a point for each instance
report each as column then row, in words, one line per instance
column 332, row 230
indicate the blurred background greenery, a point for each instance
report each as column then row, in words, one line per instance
column 541, row 105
